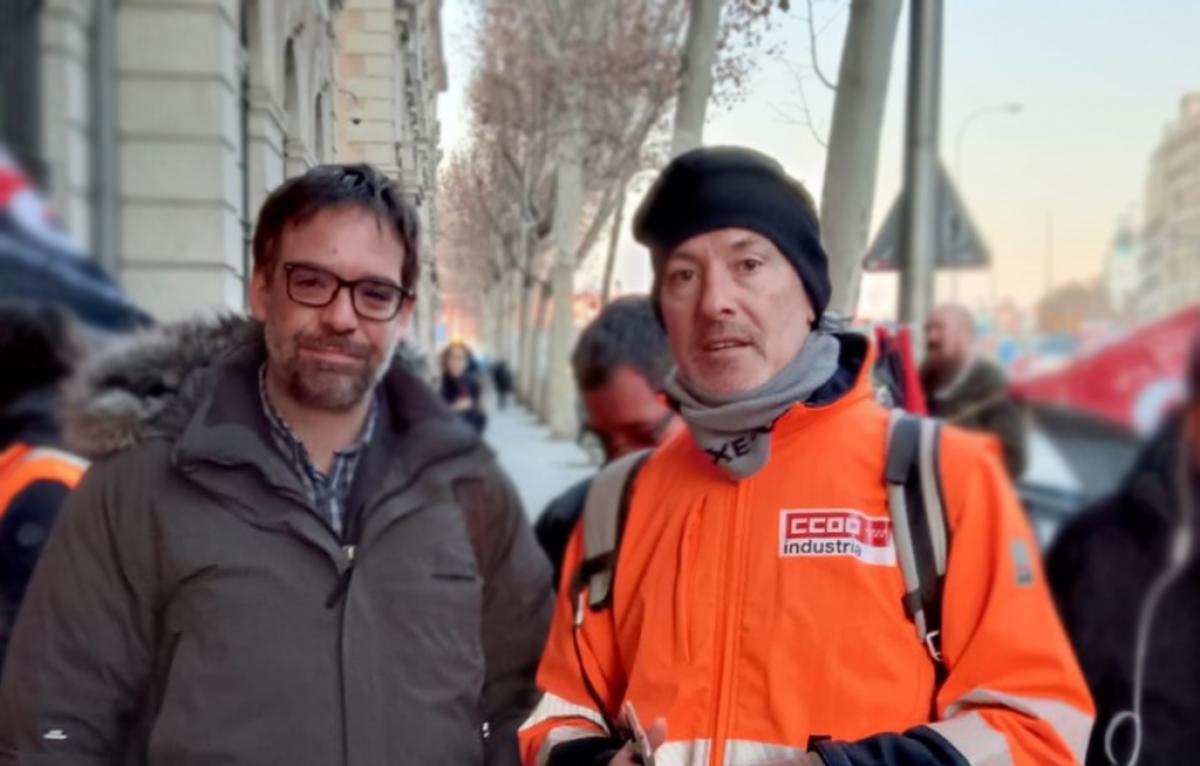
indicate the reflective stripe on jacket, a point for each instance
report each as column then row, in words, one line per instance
column 22, row 465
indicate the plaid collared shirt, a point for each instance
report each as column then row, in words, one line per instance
column 327, row 493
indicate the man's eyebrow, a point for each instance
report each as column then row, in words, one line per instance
column 369, row 278
column 750, row 242
column 684, row 254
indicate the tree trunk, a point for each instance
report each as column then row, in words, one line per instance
column 499, row 293
column 512, row 348
column 853, row 154
column 530, row 311
column 526, row 286
column 568, row 209
column 613, row 238
column 537, row 385
column 493, row 314
column 508, row 316
column 696, row 83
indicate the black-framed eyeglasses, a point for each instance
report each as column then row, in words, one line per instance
column 650, row 438
column 373, row 299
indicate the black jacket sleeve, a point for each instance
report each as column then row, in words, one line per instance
column 518, row 601
column 588, row 751
column 24, row 527
column 80, row 656
column 1006, row 420
column 921, row 746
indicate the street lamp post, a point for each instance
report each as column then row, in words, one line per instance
column 970, row 119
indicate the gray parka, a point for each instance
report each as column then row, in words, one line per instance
column 191, row 609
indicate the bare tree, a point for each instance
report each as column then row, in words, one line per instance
column 852, row 138
column 614, row 239
column 565, row 98
column 852, row 160
column 696, row 80
column 716, row 51
column 570, row 100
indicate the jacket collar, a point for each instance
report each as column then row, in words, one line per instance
column 194, row 386
column 1150, row 487
column 228, row 428
column 852, row 383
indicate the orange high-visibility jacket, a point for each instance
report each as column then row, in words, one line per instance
column 763, row 618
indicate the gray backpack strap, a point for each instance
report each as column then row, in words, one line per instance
column 917, row 508
column 604, row 513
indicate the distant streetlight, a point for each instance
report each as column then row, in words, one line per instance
column 970, row 119
column 1011, row 108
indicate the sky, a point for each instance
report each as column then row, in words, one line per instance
column 1097, row 82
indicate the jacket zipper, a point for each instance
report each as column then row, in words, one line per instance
column 340, row 593
column 733, row 586
column 339, row 596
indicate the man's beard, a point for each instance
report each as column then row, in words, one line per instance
column 325, row 385
column 936, row 372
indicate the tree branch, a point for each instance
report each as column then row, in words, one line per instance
column 812, row 49
column 808, row 121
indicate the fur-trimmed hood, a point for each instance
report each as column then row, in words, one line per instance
column 135, row 389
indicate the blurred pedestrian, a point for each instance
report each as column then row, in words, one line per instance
column 286, row 552
column 39, row 348
column 964, row 388
column 460, row 385
column 1127, row 580
column 621, row 361
column 503, row 379
column 743, row 594
column 41, row 262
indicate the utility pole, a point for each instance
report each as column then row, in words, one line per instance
column 919, row 238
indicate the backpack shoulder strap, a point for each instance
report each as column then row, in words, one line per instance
column 920, row 531
column 604, row 512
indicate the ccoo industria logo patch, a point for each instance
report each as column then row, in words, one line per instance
column 836, row 532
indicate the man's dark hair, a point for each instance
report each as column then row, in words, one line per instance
column 39, row 347
column 625, row 333
column 333, row 186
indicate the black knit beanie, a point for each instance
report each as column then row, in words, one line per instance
column 723, row 187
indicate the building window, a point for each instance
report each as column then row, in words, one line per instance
column 20, row 85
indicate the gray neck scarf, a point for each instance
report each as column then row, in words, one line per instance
column 735, row 430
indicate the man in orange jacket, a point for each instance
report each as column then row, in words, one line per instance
column 755, row 612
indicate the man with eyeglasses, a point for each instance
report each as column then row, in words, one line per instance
column 287, row 550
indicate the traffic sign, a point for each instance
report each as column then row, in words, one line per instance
column 959, row 243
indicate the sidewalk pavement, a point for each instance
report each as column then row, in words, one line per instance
column 539, row 466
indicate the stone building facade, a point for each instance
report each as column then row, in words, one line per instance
column 158, row 127
column 390, row 71
column 1170, row 243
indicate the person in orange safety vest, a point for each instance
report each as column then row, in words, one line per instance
column 38, row 351
column 757, row 605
